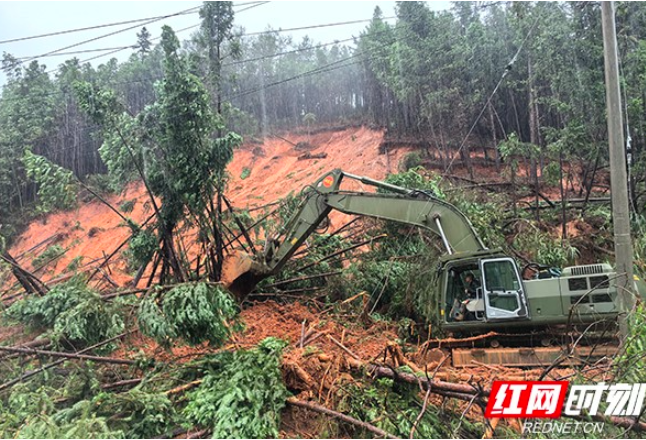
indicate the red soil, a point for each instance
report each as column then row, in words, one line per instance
column 93, row 231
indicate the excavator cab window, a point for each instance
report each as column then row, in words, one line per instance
column 502, row 289
column 464, row 295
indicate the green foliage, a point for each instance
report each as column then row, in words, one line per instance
column 246, row 172
column 386, row 281
column 141, row 248
column 631, row 366
column 56, row 185
column 139, row 414
column 309, row 119
column 127, row 206
column 49, row 255
column 319, row 247
column 74, row 264
column 195, row 312
column 91, row 321
column 484, row 213
column 74, row 313
column 243, row 394
column 195, row 161
column 513, row 147
column 413, row 179
column 411, row 160
column 391, row 407
column 171, row 144
column 544, row 249
column 43, row 311
column 79, row 409
column 103, row 184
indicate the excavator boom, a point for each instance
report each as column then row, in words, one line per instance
column 411, row 207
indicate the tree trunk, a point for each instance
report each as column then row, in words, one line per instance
column 533, row 133
column 27, row 280
column 494, row 137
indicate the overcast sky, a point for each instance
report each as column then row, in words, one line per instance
column 20, row 19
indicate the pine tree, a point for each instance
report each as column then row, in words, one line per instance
column 143, row 41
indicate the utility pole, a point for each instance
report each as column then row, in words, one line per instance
column 618, row 174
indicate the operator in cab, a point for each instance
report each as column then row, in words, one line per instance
column 471, row 285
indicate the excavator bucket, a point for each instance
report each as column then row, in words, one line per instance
column 241, row 273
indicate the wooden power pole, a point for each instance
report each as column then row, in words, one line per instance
column 618, row 173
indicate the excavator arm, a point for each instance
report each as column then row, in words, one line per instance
column 412, row 207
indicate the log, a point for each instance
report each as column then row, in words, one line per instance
column 300, row 373
column 305, row 278
column 182, row 388
column 343, row 347
column 36, row 343
column 105, row 360
column 323, row 410
column 46, row 367
column 197, row 434
column 30, row 282
column 339, row 252
column 121, row 383
column 437, row 385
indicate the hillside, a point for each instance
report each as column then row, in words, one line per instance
column 273, row 170
column 337, row 354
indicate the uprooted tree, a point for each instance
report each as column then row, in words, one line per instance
column 171, row 146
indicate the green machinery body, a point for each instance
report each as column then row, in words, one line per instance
column 504, row 302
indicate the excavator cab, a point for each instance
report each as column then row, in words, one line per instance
column 496, row 295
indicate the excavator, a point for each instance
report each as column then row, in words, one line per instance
column 568, row 316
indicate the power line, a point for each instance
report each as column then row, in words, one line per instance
column 495, row 90
column 116, row 50
column 247, row 60
column 303, row 28
column 321, row 69
column 278, row 54
column 88, row 28
column 333, row 66
column 255, row 4
column 59, row 52
column 78, row 52
column 225, row 65
column 110, row 34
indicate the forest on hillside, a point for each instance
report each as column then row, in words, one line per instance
column 493, row 113
column 521, row 76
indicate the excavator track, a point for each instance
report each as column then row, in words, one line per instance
column 535, row 349
column 531, row 356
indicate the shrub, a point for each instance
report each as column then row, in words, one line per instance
column 411, row 160
column 243, row 395
column 195, row 312
column 74, row 313
column 127, row 206
column 143, row 245
column 56, row 185
column 50, row 254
